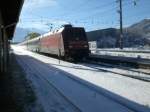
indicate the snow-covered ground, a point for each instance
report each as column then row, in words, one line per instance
column 88, row 88
column 111, row 52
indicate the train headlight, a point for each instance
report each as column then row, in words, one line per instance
column 85, row 46
column 70, row 46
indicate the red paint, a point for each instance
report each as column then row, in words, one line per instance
column 51, row 41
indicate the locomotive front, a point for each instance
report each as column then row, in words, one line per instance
column 75, row 43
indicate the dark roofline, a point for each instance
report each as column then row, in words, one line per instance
column 10, row 10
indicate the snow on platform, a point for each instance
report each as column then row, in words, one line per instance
column 105, row 91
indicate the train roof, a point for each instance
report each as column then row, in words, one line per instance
column 52, row 32
column 46, row 34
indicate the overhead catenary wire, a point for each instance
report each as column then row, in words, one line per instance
column 78, row 8
column 88, row 9
column 94, row 18
column 45, row 18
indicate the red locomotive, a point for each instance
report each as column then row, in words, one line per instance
column 68, row 42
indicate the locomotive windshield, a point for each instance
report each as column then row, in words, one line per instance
column 75, row 34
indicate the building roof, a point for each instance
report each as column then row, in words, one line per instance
column 10, row 11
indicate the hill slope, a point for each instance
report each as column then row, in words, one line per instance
column 137, row 35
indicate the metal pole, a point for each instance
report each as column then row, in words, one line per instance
column 5, row 49
column 121, row 26
column 59, row 48
column 1, row 49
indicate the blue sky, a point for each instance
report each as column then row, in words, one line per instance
column 91, row 14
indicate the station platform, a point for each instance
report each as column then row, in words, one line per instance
column 16, row 94
column 7, row 104
column 7, row 101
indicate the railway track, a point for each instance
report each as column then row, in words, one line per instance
column 139, row 71
column 129, row 61
column 117, row 100
column 128, row 51
column 127, row 71
column 139, row 75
